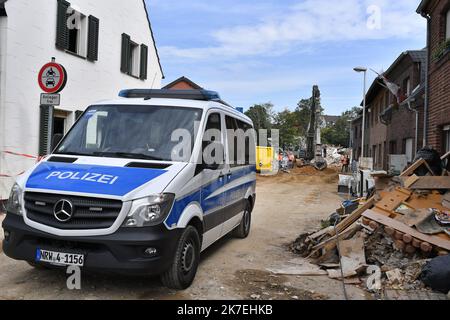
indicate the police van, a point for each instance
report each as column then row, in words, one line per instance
column 141, row 184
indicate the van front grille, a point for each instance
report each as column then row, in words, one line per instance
column 87, row 213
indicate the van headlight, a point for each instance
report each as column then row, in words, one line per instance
column 149, row 211
column 14, row 205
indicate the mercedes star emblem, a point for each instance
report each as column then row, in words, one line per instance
column 63, row 210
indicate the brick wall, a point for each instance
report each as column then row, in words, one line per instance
column 439, row 76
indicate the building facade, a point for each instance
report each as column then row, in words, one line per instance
column 394, row 127
column 105, row 46
column 437, row 12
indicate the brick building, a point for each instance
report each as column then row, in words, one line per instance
column 394, row 128
column 437, row 13
column 183, row 83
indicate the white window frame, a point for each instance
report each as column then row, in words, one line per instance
column 136, row 58
column 81, row 46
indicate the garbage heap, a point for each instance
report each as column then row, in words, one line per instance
column 397, row 238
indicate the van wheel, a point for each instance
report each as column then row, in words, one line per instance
column 243, row 230
column 184, row 267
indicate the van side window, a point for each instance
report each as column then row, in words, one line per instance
column 214, row 123
column 213, row 133
column 232, row 141
column 246, row 127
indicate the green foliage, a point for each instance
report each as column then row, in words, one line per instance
column 440, row 51
column 293, row 125
column 339, row 134
column 262, row 115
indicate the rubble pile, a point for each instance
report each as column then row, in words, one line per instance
column 388, row 240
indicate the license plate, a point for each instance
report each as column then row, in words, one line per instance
column 59, row 258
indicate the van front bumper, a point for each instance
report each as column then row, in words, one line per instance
column 123, row 252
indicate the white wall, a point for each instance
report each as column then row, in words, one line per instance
column 31, row 34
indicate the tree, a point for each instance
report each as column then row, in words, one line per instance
column 287, row 123
column 339, row 134
column 262, row 115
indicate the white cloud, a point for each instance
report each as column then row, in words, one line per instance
column 308, row 23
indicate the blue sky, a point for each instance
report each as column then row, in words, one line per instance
column 256, row 51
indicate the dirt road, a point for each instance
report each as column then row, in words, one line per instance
column 287, row 205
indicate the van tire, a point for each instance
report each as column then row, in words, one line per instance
column 182, row 272
column 243, row 230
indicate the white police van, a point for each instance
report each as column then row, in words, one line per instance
column 129, row 189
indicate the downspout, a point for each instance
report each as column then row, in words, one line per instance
column 416, row 140
column 426, row 100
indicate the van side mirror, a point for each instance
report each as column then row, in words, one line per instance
column 56, row 139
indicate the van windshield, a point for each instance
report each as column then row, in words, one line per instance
column 134, row 132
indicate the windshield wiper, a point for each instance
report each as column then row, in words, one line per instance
column 127, row 155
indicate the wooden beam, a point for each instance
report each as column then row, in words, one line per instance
column 410, row 171
column 431, row 183
column 399, row 226
column 351, row 219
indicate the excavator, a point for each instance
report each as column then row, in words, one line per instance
column 314, row 151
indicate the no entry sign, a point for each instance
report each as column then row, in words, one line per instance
column 52, row 78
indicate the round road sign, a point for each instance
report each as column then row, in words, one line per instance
column 52, row 78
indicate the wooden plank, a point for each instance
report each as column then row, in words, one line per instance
column 330, row 244
column 410, row 181
column 401, row 227
column 351, row 219
column 390, row 201
column 321, row 233
column 431, row 183
column 446, row 156
column 410, row 171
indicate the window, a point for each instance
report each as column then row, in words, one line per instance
column 393, row 147
column 447, row 139
column 408, row 145
column 133, row 132
column 232, row 141
column 448, row 25
column 76, row 33
column 407, row 87
column 134, row 58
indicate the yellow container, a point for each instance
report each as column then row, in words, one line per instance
column 264, row 158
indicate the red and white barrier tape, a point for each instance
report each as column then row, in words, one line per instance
column 23, row 155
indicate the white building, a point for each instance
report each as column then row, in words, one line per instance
column 105, row 46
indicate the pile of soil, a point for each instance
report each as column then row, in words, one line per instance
column 311, row 171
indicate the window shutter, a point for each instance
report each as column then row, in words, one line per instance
column 144, row 62
column 125, row 53
column 78, row 114
column 93, row 33
column 46, row 130
column 62, row 32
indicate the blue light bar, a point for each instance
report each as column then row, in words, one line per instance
column 202, row 95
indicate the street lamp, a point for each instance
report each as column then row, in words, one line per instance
column 364, row 70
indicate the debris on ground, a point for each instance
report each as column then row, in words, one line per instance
column 389, row 240
column 261, row 285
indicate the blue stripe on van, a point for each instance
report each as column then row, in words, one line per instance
column 202, row 194
column 93, row 179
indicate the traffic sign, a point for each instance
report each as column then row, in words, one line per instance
column 48, row 99
column 52, row 78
